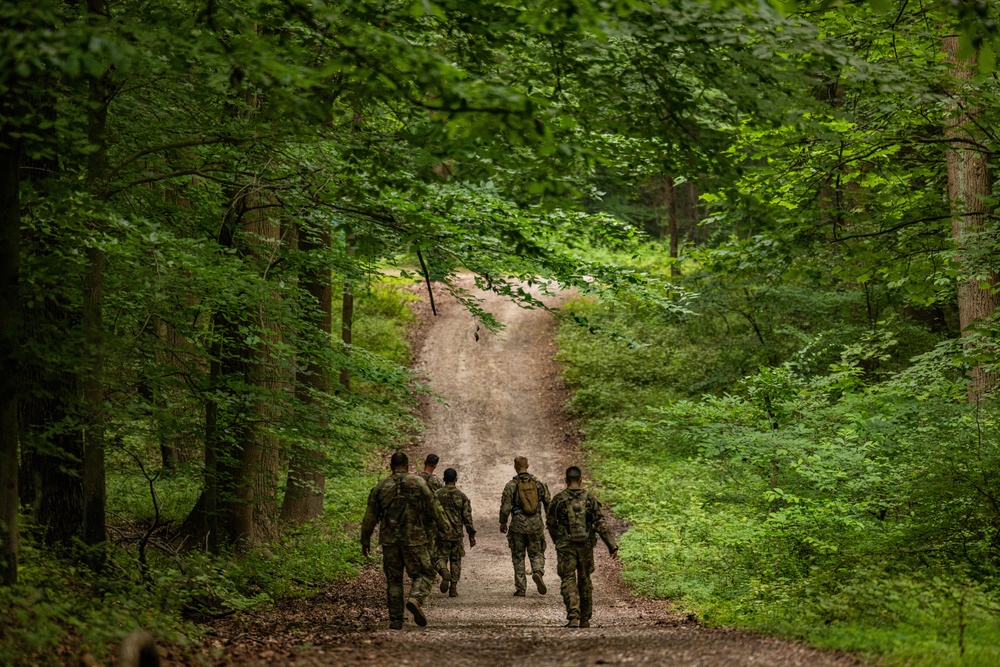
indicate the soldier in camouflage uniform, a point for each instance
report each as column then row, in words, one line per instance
column 526, row 532
column 458, row 509
column 403, row 506
column 434, row 482
column 574, row 520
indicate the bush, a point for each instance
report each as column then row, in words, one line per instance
column 852, row 500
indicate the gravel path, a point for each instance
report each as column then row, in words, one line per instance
column 502, row 397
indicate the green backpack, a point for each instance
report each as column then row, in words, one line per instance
column 395, row 508
column 527, row 496
column 449, row 503
column 576, row 519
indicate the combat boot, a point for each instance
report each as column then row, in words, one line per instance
column 418, row 614
column 584, row 624
column 573, row 623
column 395, row 625
column 539, row 583
column 452, row 593
column 444, row 586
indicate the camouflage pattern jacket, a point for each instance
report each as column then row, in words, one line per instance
column 558, row 520
column 432, row 480
column 458, row 508
column 510, row 506
column 404, row 508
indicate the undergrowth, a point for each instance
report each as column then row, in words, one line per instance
column 828, row 482
column 62, row 610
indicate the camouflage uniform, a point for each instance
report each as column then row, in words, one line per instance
column 403, row 535
column 435, row 483
column 575, row 560
column 458, row 509
column 525, row 533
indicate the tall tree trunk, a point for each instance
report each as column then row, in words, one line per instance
column 672, row 229
column 969, row 183
column 347, row 315
column 665, row 207
column 239, row 502
column 51, row 438
column 10, row 340
column 306, row 483
column 252, row 512
column 94, row 488
column 174, row 353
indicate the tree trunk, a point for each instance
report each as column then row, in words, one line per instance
column 239, row 503
column 51, row 442
column 49, row 477
column 174, row 354
column 969, row 182
column 252, row 513
column 672, row 229
column 306, row 483
column 209, row 504
column 665, row 197
column 94, row 488
column 347, row 315
column 10, row 339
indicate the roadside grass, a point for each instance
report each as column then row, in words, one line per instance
column 801, row 501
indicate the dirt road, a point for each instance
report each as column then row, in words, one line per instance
column 503, row 398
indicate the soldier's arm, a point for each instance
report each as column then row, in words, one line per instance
column 506, row 503
column 601, row 526
column 551, row 512
column 470, row 528
column 371, row 519
column 544, row 497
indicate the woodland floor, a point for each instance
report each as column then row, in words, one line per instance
column 501, row 396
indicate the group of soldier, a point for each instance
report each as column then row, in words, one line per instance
column 421, row 519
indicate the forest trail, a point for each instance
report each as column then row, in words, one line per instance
column 503, row 397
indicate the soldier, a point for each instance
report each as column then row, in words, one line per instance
column 522, row 500
column 403, row 506
column 574, row 519
column 458, row 509
column 433, row 481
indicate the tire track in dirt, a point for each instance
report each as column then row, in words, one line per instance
column 500, row 397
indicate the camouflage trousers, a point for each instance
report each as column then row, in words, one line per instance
column 575, row 564
column 534, row 545
column 449, row 558
column 416, row 561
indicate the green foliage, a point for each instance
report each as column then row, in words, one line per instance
column 846, row 495
column 59, row 611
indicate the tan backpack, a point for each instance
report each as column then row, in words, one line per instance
column 527, row 496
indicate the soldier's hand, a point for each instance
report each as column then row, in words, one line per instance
column 503, row 528
column 472, row 541
column 364, row 550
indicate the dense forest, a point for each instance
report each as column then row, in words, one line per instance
column 777, row 221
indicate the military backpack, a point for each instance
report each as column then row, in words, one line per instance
column 395, row 509
column 449, row 503
column 576, row 518
column 527, row 496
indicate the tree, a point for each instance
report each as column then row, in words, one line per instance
column 970, row 187
column 10, row 343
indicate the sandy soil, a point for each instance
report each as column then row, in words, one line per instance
column 500, row 397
